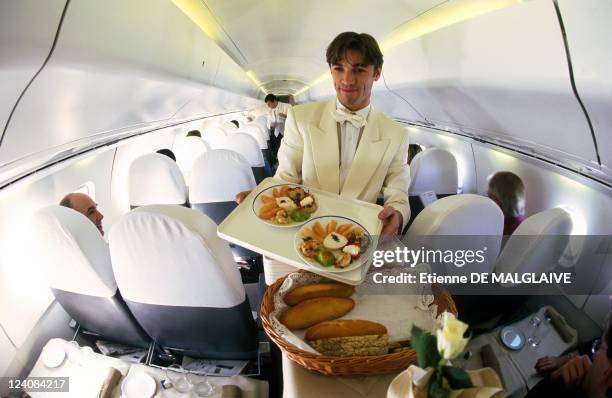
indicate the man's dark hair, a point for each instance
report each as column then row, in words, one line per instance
column 362, row 42
column 235, row 122
column 167, row 152
column 270, row 98
column 66, row 201
column 194, row 133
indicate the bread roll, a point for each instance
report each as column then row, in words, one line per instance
column 332, row 289
column 312, row 311
column 346, row 338
column 344, row 328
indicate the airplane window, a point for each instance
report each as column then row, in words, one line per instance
column 89, row 189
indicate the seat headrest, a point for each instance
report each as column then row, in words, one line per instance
column 247, row 146
column 228, row 126
column 538, row 242
column 72, row 252
column 172, row 256
column 465, row 214
column 187, row 149
column 256, row 133
column 460, row 222
column 434, row 169
column 156, row 179
column 219, row 175
column 214, row 136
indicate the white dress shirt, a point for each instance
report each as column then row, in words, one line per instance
column 274, row 115
column 349, row 140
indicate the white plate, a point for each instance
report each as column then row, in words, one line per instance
column 258, row 204
column 138, row 385
column 324, row 220
column 53, row 354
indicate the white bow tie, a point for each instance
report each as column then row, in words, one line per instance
column 342, row 116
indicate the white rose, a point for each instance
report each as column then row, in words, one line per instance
column 450, row 338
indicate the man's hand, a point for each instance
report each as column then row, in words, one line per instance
column 392, row 222
column 241, row 195
column 572, row 373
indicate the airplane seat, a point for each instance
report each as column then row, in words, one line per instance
column 433, row 169
column 228, row 127
column 537, row 244
column 186, row 150
column 218, row 176
column 247, row 146
column 156, row 179
column 459, row 223
column 261, row 139
column 467, row 221
column 214, row 136
column 76, row 260
column 181, row 283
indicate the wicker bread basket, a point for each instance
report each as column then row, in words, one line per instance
column 345, row 366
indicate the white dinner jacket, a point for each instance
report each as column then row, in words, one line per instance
column 309, row 155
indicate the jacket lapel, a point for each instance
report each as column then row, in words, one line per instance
column 370, row 153
column 325, row 151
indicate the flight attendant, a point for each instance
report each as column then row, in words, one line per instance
column 277, row 115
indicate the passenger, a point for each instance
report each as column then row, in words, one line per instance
column 235, row 123
column 413, row 150
column 508, row 191
column 277, row 114
column 167, row 152
column 86, row 206
column 355, row 63
column 194, row 133
column 581, row 376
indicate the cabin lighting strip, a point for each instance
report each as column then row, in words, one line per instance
column 441, row 16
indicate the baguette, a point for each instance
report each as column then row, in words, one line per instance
column 315, row 290
column 312, row 311
column 347, row 338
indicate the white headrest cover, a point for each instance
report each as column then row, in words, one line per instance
column 187, row 149
column 219, row 175
column 156, row 179
column 548, row 235
column 228, row 126
column 215, row 137
column 435, row 170
column 256, row 133
column 72, row 252
column 247, row 146
column 465, row 214
column 171, row 255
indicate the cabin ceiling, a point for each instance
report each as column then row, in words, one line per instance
column 283, row 42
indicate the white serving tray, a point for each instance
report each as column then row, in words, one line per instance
column 243, row 228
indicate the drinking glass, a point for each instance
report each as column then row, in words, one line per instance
column 180, row 379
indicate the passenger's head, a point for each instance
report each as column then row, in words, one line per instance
column 271, row 101
column 355, row 62
column 194, row 133
column 508, row 191
column 235, row 123
column 413, row 150
column 86, row 206
column 600, row 374
column 167, row 152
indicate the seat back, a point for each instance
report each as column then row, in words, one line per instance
column 187, row 149
column 77, row 264
column 228, row 126
column 433, row 169
column 460, row 222
column 181, row 282
column 156, row 179
column 247, row 146
column 214, row 136
column 537, row 244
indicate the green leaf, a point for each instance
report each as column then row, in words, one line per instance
column 435, row 390
column 426, row 348
column 457, row 378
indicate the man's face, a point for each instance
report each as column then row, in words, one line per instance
column 353, row 80
column 86, row 206
column 272, row 104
